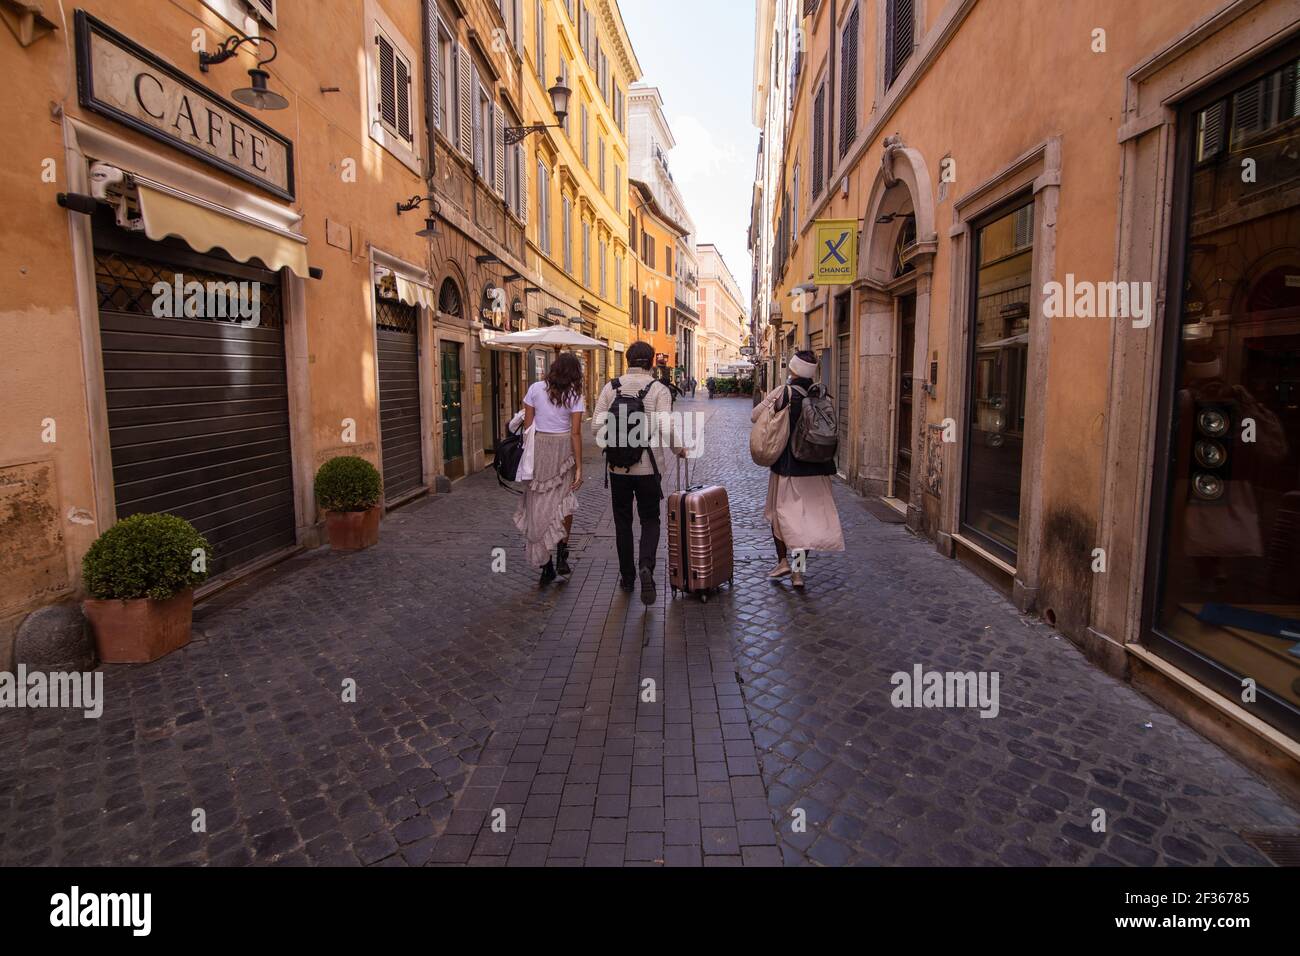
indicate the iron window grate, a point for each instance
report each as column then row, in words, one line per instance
column 125, row 283
column 394, row 316
column 1282, row 848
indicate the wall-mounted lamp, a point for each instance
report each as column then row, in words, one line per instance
column 487, row 260
column 430, row 230
column 559, row 105
column 258, row 96
column 529, row 289
column 513, row 277
column 891, row 216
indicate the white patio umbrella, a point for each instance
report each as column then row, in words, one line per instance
column 556, row 336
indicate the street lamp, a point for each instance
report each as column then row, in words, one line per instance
column 258, row 95
column 559, row 94
column 430, row 230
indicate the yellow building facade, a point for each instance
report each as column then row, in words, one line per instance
column 577, row 176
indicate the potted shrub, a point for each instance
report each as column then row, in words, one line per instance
column 140, row 575
column 348, row 490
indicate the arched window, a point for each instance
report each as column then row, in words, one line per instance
column 449, row 298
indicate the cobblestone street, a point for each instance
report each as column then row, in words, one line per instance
column 476, row 692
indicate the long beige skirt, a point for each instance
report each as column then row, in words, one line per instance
column 549, row 497
column 802, row 513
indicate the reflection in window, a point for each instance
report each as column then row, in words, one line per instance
column 1231, row 582
column 999, row 349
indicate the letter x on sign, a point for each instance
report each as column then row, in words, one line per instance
column 834, row 249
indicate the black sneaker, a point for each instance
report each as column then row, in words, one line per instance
column 648, row 593
column 548, row 574
column 627, row 584
column 562, row 568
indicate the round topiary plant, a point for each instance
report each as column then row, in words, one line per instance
column 348, row 484
column 145, row 556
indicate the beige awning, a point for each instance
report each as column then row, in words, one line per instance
column 205, row 226
column 413, row 293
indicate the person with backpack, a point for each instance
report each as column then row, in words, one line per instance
column 800, row 505
column 553, row 407
column 633, row 421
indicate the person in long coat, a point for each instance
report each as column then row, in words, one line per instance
column 800, row 504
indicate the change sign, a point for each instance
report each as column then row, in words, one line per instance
column 835, row 251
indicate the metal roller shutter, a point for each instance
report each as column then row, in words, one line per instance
column 198, row 409
column 399, row 397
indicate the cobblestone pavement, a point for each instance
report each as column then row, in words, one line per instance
column 482, row 699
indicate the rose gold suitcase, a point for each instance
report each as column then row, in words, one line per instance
column 699, row 538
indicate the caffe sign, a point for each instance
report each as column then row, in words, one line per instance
column 116, row 77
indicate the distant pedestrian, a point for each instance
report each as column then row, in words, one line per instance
column 800, row 505
column 636, row 459
column 554, row 406
column 710, row 384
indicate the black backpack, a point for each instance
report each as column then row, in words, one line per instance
column 618, row 427
column 509, row 453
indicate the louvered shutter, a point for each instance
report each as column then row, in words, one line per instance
column 498, row 153
column 521, row 160
column 1247, row 112
column 898, row 38
column 265, row 10
column 476, row 111
column 819, row 142
column 465, row 125
column 1212, row 131
column 387, row 81
column 433, row 48
column 849, row 91
column 403, row 71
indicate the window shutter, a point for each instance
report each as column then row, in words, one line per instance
column 1024, row 227
column 498, row 152
column 1247, row 111
column 433, row 50
column 476, row 108
column 403, row 97
column 465, row 137
column 521, row 161
column 539, row 24
column 387, row 81
column 1212, row 131
column 265, row 11
column 819, row 142
column 898, row 38
column 849, row 91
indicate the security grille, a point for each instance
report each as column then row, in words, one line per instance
column 126, row 284
column 394, row 316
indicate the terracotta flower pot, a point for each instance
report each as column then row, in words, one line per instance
column 141, row 630
column 353, row 530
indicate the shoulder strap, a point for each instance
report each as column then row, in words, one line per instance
column 640, row 397
column 617, row 383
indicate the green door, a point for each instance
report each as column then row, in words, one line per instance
column 453, row 445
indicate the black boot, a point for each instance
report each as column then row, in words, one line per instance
column 648, row 594
column 562, row 560
column 548, row 574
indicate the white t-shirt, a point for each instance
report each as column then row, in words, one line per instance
column 549, row 417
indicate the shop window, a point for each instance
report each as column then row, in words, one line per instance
column 1003, row 268
column 1229, row 565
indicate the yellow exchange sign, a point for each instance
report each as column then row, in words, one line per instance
column 836, row 251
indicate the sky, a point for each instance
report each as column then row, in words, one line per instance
column 700, row 54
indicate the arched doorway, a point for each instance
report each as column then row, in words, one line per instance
column 894, row 385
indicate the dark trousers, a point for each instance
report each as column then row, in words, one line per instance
column 645, row 491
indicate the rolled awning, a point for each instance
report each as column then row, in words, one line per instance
column 205, row 226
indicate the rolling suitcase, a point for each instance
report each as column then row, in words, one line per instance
column 699, row 537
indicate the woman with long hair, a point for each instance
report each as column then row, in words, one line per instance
column 545, row 516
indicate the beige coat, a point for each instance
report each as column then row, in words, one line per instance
column 658, row 406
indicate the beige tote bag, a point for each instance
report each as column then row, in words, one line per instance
column 771, row 431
